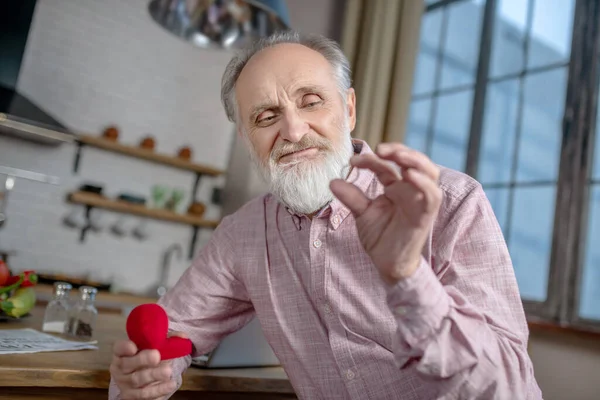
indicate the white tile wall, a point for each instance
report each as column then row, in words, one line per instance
column 91, row 63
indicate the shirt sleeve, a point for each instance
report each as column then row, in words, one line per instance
column 460, row 321
column 207, row 303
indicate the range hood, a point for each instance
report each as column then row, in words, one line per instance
column 20, row 117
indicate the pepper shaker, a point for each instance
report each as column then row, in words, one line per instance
column 83, row 317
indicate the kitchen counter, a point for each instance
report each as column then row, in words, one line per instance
column 84, row 374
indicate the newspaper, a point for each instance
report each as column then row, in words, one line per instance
column 23, row 341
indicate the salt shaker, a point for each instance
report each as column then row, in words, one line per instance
column 56, row 315
column 83, row 316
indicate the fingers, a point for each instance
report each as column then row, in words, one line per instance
column 141, row 375
column 432, row 195
column 406, row 194
column 124, row 348
column 144, row 359
column 145, row 377
column 431, row 190
column 408, row 158
column 418, row 170
column 351, row 196
column 151, row 392
column 386, row 172
column 178, row 334
column 415, row 186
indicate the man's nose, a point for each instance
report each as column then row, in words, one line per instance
column 294, row 127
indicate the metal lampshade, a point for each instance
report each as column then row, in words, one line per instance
column 220, row 24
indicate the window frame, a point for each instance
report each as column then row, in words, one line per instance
column 579, row 135
column 576, row 154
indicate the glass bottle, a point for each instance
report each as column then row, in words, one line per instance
column 56, row 315
column 83, row 316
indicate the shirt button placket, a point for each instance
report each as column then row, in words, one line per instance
column 336, row 221
column 318, row 258
column 350, row 374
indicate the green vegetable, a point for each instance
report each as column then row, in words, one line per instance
column 24, row 279
column 20, row 303
column 10, row 287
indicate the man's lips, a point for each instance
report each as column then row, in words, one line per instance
column 299, row 154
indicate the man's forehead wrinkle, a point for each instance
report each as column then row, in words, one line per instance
column 266, row 101
column 254, row 95
column 295, row 88
column 271, row 88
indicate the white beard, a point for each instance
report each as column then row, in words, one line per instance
column 303, row 185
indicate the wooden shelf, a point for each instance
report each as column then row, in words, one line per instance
column 148, row 155
column 91, row 200
column 94, row 200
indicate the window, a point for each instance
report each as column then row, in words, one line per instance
column 506, row 91
column 445, row 82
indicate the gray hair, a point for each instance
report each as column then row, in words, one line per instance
column 326, row 47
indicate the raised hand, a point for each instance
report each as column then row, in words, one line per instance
column 394, row 227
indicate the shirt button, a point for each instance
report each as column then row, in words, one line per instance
column 350, row 375
column 336, row 220
column 327, row 308
column 433, row 370
column 317, row 243
column 400, row 310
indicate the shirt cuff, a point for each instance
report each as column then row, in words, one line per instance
column 419, row 303
column 179, row 366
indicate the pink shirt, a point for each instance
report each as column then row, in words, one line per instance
column 455, row 329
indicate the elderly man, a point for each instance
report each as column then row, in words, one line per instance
column 374, row 274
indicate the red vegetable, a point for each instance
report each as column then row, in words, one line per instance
column 12, row 280
column 29, row 278
column 4, row 273
column 24, row 279
column 12, row 284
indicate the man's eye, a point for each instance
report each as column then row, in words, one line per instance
column 311, row 100
column 265, row 117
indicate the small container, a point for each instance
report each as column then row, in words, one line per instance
column 82, row 320
column 57, row 311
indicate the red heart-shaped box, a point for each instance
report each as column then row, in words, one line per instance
column 148, row 325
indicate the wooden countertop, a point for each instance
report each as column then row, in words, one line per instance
column 88, row 369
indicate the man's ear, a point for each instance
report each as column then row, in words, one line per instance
column 351, row 107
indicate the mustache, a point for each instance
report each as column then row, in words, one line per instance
column 306, row 142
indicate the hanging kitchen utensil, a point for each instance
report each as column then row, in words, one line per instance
column 120, row 227
column 140, row 232
column 76, row 218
